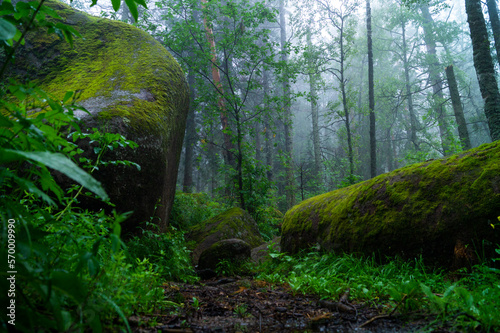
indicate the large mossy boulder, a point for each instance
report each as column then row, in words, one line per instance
column 234, row 223
column 130, row 85
column 441, row 209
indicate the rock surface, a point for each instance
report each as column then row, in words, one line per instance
column 261, row 253
column 232, row 250
column 234, row 223
column 440, row 209
column 130, row 85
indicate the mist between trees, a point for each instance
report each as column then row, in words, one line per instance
column 290, row 99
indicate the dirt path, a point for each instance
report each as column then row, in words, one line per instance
column 246, row 305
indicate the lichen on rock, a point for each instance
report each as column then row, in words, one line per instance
column 440, row 209
column 130, row 85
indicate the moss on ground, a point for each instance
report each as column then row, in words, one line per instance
column 425, row 208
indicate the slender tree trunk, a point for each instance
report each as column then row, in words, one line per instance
column 314, row 112
column 484, row 66
column 290, row 181
column 406, row 65
column 343, row 88
column 239, row 160
column 390, row 158
column 435, row 78
column 495, row 24
column 258, row 144
column 371, row 95
column 228, row 145
column 463, row 133
column 267, row 129
column 190, row 138
column 126, row 15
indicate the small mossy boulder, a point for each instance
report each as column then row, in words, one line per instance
column 130, row 85
column 261, row 253
column 444, row 210
column 232, row 250
column 234, row 223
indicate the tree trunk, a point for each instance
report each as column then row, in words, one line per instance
column 435, row 79
column 228, row 145
column 290, row 181
column 390, row 157
column 126, row 16
column 350, row 153
column 463, row 133
column 495, row 25
column 484, row 66
column 371, row 96
column 314, row 113
column 406, row 65
column 267, row 129
column 190, row 138
column 409, row 95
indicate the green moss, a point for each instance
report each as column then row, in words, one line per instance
column 116, row 68
column 403, row 209
column 130, row 85
column 233, row 223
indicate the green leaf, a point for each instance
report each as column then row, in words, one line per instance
column 67, row 96
column 142, row 3
column 118, row 310
column 116, row 4
column 69, row 284
column 33, row 189
column 57, row 162
column 132, row 6
column 7, row 30
column 5, row 122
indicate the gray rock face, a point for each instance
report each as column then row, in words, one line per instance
column 261, row 253
column 233, row 250
column 130, row 85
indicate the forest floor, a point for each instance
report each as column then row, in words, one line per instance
column 238, row 304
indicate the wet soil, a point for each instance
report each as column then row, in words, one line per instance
column 237, row 304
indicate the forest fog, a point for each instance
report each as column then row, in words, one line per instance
column 280, row 98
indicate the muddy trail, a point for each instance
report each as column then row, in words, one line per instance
column 228, row 305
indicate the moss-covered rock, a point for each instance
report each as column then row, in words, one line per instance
column 130, row 85
column 261, row 253
column 442, row 209
column 232, row 250
column 234, row 223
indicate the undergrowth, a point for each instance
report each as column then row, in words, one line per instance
column 468, row 304
column 72, row 271
column 166, row 252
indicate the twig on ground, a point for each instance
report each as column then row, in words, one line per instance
column 371, row 320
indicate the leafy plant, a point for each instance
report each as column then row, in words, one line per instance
column 167, row 253
column 192, row 208
column 72, row 270
column 468, row 304
column 241, row 310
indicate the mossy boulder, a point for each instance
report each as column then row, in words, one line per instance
column 234, row 223
column 444, row 210
column 261, row 253
column 231, row 250
column 130, row 85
